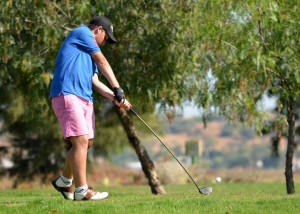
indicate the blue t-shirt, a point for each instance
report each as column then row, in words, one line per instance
column 75, row 66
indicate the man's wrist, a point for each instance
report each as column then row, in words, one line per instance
column 119, row 94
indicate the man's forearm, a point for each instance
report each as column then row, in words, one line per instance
column 105, row 69
column 103, row 90
column 109, row 75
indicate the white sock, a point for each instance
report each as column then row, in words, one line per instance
column 82, row 189
column 67, row 181
column 60, row 182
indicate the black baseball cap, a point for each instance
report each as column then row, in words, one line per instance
column 107, row 26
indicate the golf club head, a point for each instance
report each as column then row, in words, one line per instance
column 205, row 190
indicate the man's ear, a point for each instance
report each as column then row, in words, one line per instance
column 96, row 30
column 100, row 28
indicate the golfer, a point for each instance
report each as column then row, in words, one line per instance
column 78, row 64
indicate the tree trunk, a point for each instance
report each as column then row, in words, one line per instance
column 146, row 162
column 275, row 140
column 290, row 147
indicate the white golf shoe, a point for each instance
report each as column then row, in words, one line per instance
column 90, row 194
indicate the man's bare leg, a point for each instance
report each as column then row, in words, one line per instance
column 67, row 172
column 76, row 160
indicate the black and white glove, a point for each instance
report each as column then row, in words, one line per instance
column 119, row 94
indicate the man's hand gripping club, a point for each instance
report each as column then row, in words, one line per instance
column 120, row 99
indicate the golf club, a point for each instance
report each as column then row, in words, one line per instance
column 203, row 190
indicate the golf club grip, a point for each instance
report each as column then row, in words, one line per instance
column 136, row 114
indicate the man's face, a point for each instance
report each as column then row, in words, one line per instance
column 101, row 36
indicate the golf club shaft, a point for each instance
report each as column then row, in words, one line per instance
column 135, row 113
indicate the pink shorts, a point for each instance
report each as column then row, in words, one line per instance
column 75, row 115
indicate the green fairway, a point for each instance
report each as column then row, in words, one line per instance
column 226, row 198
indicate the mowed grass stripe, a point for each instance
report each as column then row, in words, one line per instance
column 226, row 198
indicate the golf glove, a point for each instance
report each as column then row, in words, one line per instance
column 119, row 94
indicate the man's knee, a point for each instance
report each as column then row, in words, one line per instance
column 80, row 141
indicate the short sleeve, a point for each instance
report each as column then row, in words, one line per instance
column 87, row 41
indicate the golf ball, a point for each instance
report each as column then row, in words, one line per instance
column 218, row 179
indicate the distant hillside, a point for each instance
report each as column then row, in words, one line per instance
column 224, row 145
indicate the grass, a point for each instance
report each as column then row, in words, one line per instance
column 226, row 198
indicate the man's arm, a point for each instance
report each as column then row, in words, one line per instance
column 102, row 88
column 105, row 69
column 109, row 94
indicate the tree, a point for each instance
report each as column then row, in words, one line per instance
column 253, row 47
column 35, row 36
column 155, row 60
column 26, row 67
column 146, row 162
column 221, row 54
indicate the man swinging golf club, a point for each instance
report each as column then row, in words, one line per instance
column 77, row 66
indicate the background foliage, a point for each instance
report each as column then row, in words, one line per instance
column 222, row 55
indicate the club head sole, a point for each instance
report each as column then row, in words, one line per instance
column 205, row 190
